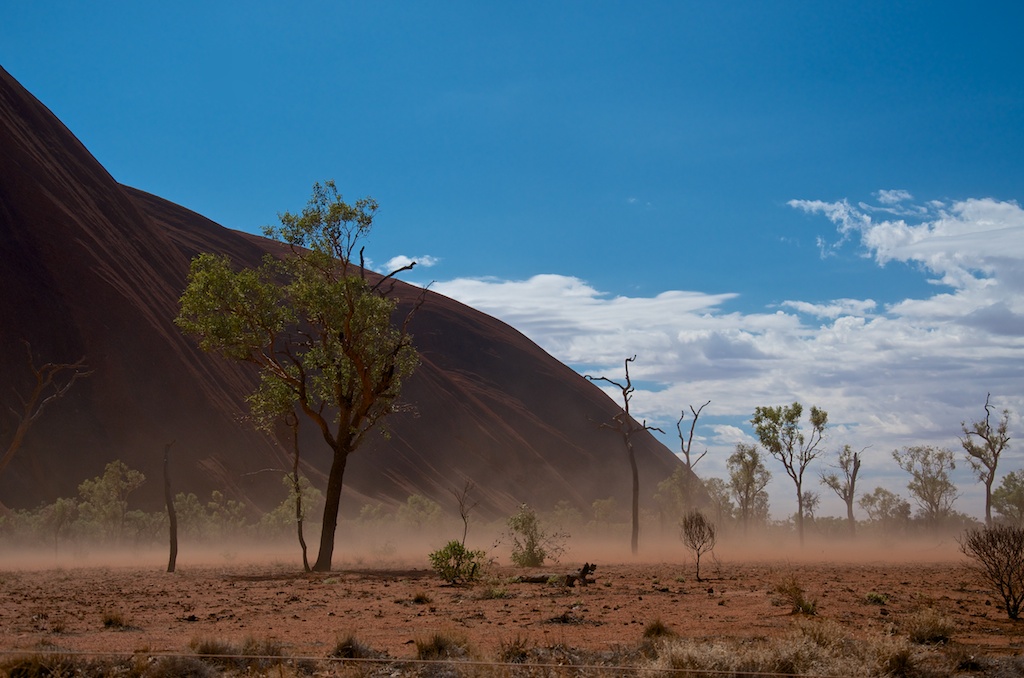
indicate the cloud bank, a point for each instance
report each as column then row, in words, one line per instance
column 905, row 373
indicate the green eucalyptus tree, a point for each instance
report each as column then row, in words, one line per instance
column 748, row 476
column 316, row 327
column 778, row 429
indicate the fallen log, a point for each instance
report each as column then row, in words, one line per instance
column 571, row 579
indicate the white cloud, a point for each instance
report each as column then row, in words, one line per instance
column 401, row 261
column 904, row 374
column 893, row 197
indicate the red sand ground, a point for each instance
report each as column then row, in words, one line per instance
column 231, row 601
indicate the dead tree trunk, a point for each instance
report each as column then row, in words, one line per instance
column 172, row 515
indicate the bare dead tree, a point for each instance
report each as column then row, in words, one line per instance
column 627, row 427
column 686, row 443
column 698, row 534
column 172, row 515
column 52, row 382
column 465, row 508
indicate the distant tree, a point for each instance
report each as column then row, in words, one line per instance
column 675, row 495
column 846, row 486
column 105, row 498
column 57, row 517
column 698, row 534
column 51, row 381
column 929, row 484
column 811, row 501
column 748, row 477
column 1008, row 498
column 887, row 509
column 532, row 544
column 627, row 427
column 420, row 512
column 778, row 429
column 605, row 510
column 719, row 502
column 983, row 445
column 318, row 331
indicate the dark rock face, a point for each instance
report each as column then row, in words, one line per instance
column 90, row 268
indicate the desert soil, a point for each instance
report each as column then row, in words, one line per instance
column 390, row 606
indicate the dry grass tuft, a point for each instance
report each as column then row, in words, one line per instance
column 443, row 645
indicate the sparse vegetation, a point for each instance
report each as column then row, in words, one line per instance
column 350, row 647
column 442, row 646
column 928, row 626
column 876, row 598
column 698, row 534
column 658, row 629
column 532, row 545
column 793, row 595
column 455, row 563
column 998, row 562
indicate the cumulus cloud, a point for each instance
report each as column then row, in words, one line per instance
column 903, row 374
column 401, row 261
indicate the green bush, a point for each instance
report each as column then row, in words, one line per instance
column 455, row 563
column 531, row 544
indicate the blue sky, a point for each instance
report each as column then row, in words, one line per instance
column 764, row 201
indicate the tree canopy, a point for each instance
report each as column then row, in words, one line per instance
column 317, row 329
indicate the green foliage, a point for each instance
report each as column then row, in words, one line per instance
column 282, row 517
column 929, row 484
column 605, row 510
column 678, row 493
column 105, row 499
column 720, row 505
column 748, row 477
column 778, row 429
column 419, row 512
column 889, row 511
column 531, row 544
column 793, row 594
column 1008, row 498
column 455, row 563
column 983, row 444
column 319, row 333
column 875, row 598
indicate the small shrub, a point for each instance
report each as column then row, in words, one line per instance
column 421, row 598
column 928, row 627
column 658, row 629
column 998, row 553
column 496, row 593
column 455, row 563
column 350, row 647
column 515, row 651
column 442, row 646
column 174, row 666
column 698, row 534
column 876, row 598
column 531, row 544
column 112, row 619
column 793, row 595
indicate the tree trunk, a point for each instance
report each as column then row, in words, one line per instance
column 849, row 516
column 293, row 422
column 332, row 504
column 172, row 515
column 635, row 538
column 988, row 501
column 800, row 514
